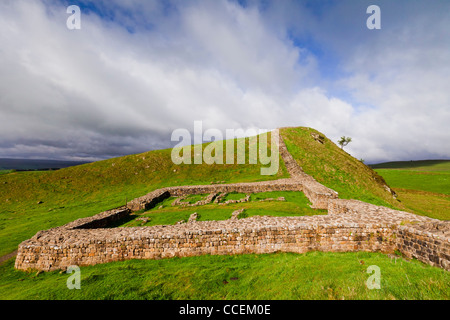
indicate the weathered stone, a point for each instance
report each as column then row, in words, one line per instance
column 193, row 217
column 235, row 214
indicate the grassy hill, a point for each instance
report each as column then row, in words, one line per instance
column 38, row 200
column 422, row 186
column 32, row 164
column 335, row 168
column 416, row 165
column 32, row 201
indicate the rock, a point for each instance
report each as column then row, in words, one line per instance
column 143, row 219
column 235, row 214
column 193, row 217
column 319, row 138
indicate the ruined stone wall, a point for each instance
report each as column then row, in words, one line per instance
column 426, row 243
column 149, row 200
column 58, row 248
column 145, row 202
column 100, row 220
column 318, row 194
column 351, row 226
column 419, row 237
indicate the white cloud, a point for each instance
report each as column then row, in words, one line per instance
column 404, row 73
column 103, row 91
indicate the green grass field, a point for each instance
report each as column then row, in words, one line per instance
column 33, row 201
column 419, row 165
column 314, row 275
column 423, row 186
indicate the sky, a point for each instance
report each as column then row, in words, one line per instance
column 136, row 71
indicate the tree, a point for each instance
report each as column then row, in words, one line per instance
column 344, row 141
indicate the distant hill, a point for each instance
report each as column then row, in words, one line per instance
column 33, row 164
column 132, row 176
column 425, row 165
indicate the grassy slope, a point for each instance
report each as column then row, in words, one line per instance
column 433, row 181
column 27, row 164
column 419, row 165
column 314, row 275
column 422, row 186
column 85, row 190
column 336, row 169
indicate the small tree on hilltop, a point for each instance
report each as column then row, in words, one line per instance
column 344, row 141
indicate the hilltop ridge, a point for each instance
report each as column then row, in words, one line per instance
column 333, row 167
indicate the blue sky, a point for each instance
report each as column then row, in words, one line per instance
column 137, row 70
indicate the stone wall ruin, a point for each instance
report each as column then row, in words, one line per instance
column 350, row 225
